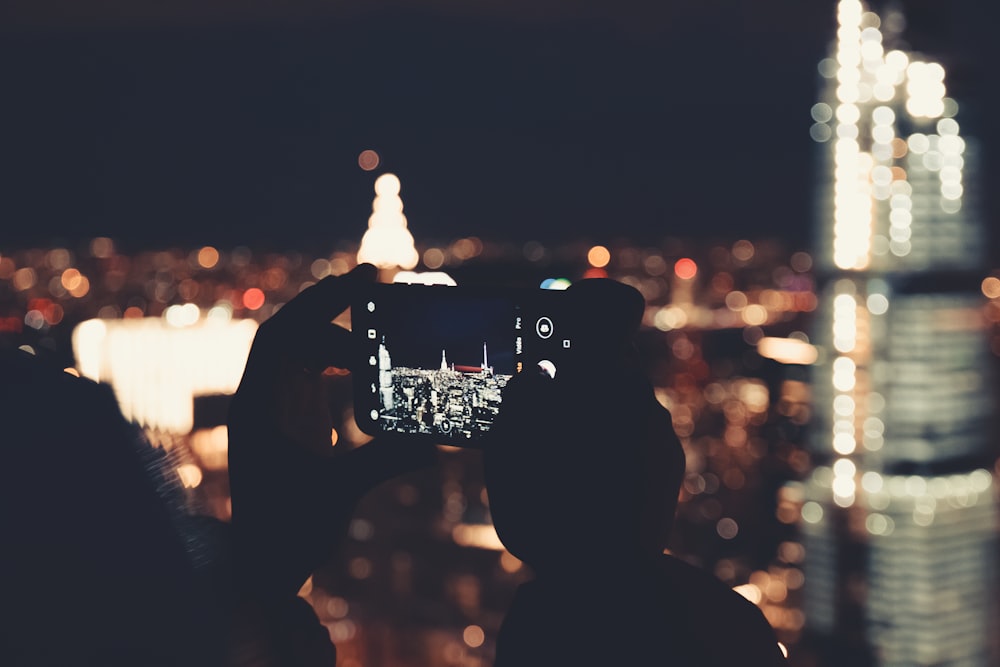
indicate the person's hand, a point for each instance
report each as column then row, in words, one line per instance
column 583, row 470
column 292, row 493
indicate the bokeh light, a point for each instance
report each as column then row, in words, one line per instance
column 368, row 160
column 685, row 268
column 253, row 298
column 473, row 636
column 598, row 256
column 991, row 287
column 208, row 257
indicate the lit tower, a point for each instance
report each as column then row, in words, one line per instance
column 899, row 522
column 387, row 244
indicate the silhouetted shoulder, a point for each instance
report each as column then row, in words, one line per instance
column 87, row 535
column 727, row 628
column 676, row 615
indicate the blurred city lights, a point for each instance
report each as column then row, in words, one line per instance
column 190, row 359
column 253, row 298
column 423, row 278
column 208, row 257
column 685, row 268
column 787, row 350
column 991, row 287
column 190, row 475
column 388, row 243
column 478, row 536
column 598, row 256
column 898, row 167
column 473, row 636
column 555, row 283
column 102, row 247
column 368, row 160
column 743, row 250
column 434, row 258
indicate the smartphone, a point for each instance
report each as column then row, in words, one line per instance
column 434, row 360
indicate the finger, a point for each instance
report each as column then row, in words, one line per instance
column 322, row 302
column 328, row 345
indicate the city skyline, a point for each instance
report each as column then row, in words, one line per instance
column 452, row 400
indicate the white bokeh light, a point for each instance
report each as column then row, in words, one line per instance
column 388, row 244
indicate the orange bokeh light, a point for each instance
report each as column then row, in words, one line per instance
column 208, row 257
column 474, row 636
column 991, row 287
column 599, row 256
column 71, row 279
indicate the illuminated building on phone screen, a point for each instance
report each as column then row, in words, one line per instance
column 899, row 519
column 385, row 375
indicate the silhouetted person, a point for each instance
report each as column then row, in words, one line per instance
column 101, row 565
column 94, row 567
column 583, row 473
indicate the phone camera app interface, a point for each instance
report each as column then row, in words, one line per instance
column 442, row 365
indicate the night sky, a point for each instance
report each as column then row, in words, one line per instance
column 241, row 123
column 417, row 328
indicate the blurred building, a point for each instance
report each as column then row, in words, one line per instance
column 900, row 518
column 158, row 366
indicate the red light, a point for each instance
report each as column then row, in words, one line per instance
column 593, row 272
column 685, row 268
column 253, row 298
column 39, row 304
column 11, row 324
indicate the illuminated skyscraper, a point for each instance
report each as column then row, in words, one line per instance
column 387, row 243
column 900, row 517
column 385, row 375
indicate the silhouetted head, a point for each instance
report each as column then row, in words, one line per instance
column 583, row 470
column 85, row 527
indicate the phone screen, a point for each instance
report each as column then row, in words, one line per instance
column 435, row 359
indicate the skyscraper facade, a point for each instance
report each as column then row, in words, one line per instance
column 899, row 522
